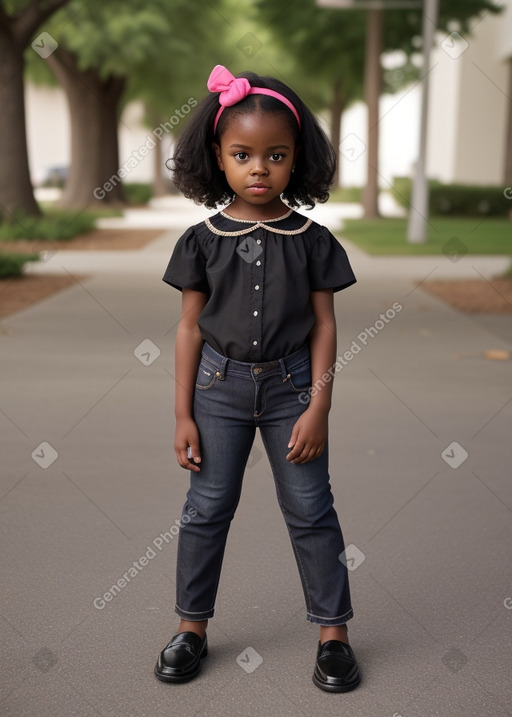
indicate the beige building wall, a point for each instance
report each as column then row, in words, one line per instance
column 469, row 104
column 48, row 140
column 48, row 133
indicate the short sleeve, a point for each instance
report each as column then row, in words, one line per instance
column 187, row 267
column 329, row 267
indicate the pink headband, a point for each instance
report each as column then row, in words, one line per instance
column 233, row 89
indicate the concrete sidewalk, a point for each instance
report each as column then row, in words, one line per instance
column 90, row 492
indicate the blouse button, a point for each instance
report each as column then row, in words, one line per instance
column 255, row 313
column 258, row 263
column 258, row 241
column 257, row 287
column 254, row 343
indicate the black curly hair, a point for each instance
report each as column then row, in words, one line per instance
column 194, row 165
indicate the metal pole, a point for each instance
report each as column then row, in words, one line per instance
column 417, row 229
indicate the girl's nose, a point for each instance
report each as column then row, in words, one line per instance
column 259, row 168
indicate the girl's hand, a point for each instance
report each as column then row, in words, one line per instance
column 186, row 435
column 308, row 436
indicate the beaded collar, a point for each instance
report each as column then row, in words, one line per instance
column 268, row 225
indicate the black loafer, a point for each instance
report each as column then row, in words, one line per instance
column 180, row 661
column 336, row 668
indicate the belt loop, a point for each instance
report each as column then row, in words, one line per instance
column 222, row 362
column 217, row 359
column 284, row 372
column 224, row 367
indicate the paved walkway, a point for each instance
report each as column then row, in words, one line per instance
column 90, row 492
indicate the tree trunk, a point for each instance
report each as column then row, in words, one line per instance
column 162, row 185
column 508, row 141
column 373, row 88
column 16, row 193
column 94, row 175
column 337, row 109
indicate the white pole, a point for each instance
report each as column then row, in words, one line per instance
column 417, row 229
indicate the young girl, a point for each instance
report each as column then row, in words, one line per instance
column 257, row 330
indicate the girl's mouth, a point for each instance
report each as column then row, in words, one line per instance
column 258, row 189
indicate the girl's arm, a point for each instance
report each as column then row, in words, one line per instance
column 310, row 431
column 188, row 355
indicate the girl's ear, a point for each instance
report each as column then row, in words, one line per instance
column 216, row 149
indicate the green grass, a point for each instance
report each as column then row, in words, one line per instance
column 445, row 235
column 12, row 264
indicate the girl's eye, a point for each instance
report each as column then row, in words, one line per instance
column 241, row 155
column 276, row 156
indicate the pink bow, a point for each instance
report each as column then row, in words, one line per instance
column 232, row 89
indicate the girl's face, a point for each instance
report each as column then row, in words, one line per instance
column 257, row 153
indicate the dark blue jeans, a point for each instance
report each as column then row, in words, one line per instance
column 231, row 399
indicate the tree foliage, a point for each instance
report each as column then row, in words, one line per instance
column 117, row 51
column 328, row 45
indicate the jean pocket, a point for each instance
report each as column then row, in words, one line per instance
column 206, row 376
column 300, row 377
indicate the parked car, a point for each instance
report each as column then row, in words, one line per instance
column 56, row 177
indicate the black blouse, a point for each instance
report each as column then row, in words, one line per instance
column 258, row 277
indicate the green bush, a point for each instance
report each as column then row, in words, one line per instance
column 462, row 200
column 137, row 192
column 346, row 194
column 54, row 225
column 12, row 264
column 401, row 191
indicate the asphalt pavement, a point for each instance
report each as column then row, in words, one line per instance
column 90, row 495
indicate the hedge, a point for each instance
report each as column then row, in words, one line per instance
column 463, row 200
column 137, row 192
column 55, row 225
column 12, row 264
